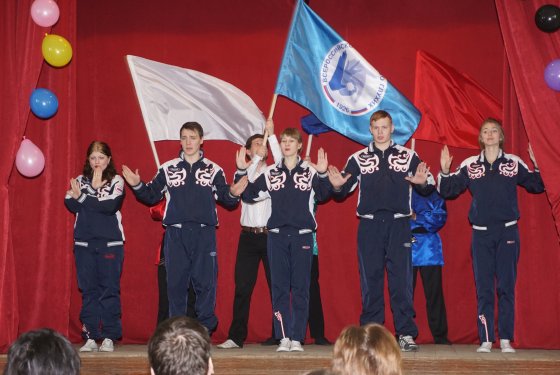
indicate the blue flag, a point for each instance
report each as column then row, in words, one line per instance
column 312, row 125
column 323, row 73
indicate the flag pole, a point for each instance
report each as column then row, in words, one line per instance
column 270, row 114
column 309, row 140
column 142, row 108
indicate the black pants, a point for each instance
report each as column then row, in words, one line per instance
column 435, row 304
column 251, row 250
column 316, row 319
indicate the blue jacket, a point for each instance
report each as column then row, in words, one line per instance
column 98, row 215
column 191, row 191
column 381, row 175
column 431, row 215
column 292, row 193
column 493, row 187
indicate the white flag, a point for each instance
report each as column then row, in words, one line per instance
column 169, row 96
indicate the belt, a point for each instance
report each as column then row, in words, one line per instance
column 508, row 224
column 254, row 230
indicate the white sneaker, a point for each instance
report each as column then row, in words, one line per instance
column 228, row 344
column 285, row 345
column 485, row 347
column 506, row 346
column 89, row 346
column 107, row 346
column 296, row 347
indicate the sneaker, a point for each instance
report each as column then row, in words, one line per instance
column 485, row 347
column 506, row 346
column 228, row 344
column 285, row 345
column 107, row 346
column 89, row 346
column 407, row 343
column 296, row 347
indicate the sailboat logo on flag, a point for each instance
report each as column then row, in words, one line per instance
column 349, row 82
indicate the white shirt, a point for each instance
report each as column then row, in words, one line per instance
column 257, row 214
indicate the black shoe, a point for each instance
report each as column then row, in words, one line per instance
column 271, row 341
column 322, row 341
column 442, row 341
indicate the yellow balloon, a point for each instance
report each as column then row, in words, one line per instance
column 57, row 51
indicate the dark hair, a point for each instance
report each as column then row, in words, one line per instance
column 194, row 126
column 103, row 148
column 42, row 352
column 180, row 345
column 251, row 139
column 378, row 115
column 491, row 120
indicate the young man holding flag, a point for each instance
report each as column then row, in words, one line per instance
column 385, row 172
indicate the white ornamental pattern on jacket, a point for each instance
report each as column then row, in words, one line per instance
column 509, row 169
column 204, row 176
column 303, row 180
column 400, row 162
column 277, row 181
column 368, row 163
column 475, row 171
column 176, row 176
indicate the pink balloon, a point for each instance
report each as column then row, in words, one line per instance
column 30, row 160
column 45, row 12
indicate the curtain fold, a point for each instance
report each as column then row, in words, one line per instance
column 529, row 50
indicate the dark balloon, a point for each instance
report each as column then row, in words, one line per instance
column 547, row 18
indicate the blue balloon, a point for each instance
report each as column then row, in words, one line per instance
column 43, row 103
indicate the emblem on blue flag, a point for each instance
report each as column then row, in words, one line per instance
column 325, row 74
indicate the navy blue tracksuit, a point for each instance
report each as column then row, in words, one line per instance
column 495, row 237
column 384, row 235
column 290, row 239
column 99, row 253
column 190, row 236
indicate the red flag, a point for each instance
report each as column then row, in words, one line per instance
column 453, row 105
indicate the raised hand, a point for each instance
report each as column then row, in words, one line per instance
column 269, row 126
column 445, row 159
column 335, row 177
column 421, row 175
column 322, row 161
column 132, row 178
column 241, row 159
column 74, row 191
column 238, row 188
column 96, row 182
column 532, row 156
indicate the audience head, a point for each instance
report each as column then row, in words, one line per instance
column 42, row 352
column 180, row 345
column 370, row 350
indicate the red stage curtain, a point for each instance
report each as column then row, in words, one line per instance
column 35, row 266
column 529, row 51
column 20, row 66
column 243, row 45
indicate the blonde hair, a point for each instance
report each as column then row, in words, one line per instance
column 292, row 133
column 367, row 350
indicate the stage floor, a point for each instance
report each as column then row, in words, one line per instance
column 256, row 359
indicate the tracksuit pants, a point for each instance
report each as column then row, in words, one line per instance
column 99, row 267
column 385, row 242
column 495, row 253
column 290, row 256
column 191, row 257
